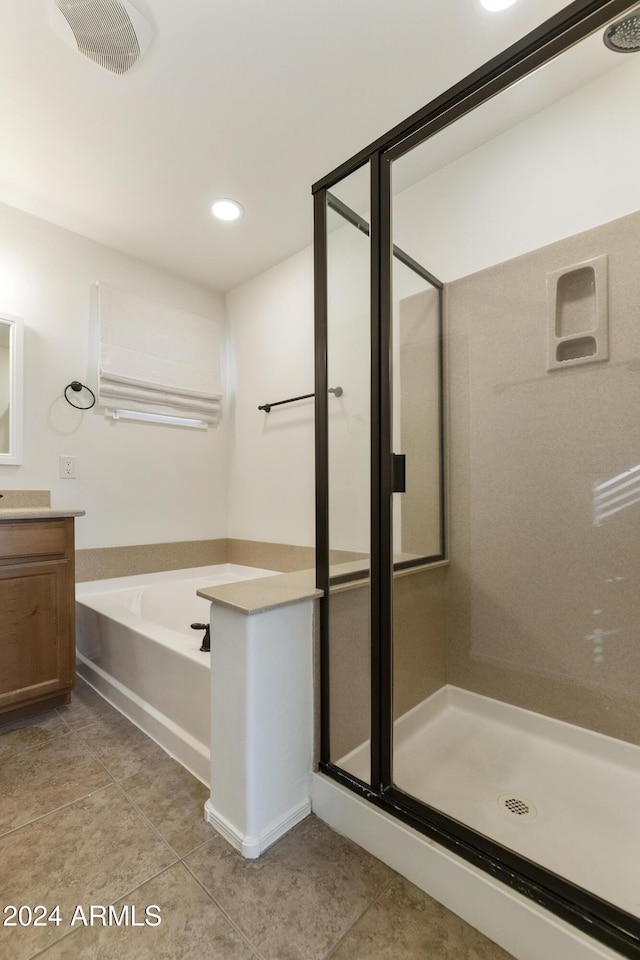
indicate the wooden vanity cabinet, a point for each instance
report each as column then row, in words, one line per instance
column 37, row 615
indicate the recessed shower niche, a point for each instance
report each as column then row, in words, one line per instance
column 577, row 314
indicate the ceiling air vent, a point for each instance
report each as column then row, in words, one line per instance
column 110, row 32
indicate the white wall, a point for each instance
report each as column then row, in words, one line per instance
column 568, row 168
column 139, row 483
column 563, row 170
column 271, row 460
column 348, row 367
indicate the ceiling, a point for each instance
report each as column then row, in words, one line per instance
column 246, row 99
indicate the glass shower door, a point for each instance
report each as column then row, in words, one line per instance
column 418, row 511
column 487, row 693
column 348, row 622
column 516, row 665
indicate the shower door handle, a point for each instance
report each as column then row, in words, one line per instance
column 398, row 473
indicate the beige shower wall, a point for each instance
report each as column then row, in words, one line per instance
column 419, row 625
column 105, row 562
column 543, row 600
column 419, row 652
column 418, row 437
column 349, row 670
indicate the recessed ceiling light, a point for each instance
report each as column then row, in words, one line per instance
column 495, row 5
column 227, row 209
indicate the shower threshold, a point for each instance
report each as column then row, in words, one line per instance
column 560, row 795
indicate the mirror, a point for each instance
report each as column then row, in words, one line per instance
column 11, row 343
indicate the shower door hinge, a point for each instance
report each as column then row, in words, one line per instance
column 398, row 473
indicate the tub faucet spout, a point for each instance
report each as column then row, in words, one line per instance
column 206, row 640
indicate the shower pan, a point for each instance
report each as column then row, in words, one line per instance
column 478, row 491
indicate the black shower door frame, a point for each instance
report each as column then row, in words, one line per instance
column 598, row 918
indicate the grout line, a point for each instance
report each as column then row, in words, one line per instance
column 52, row 943
column 180, row 860
column 92, row 753
column 214, row 833
column 75, row 731
column 90, row 722
column 110, row 903
column 103, row 764
column 129, row 893
column 21, row 749
column 70, row 803
column 61, row 711
column 49, row 813
column 333, row 950
column 65, row 721
column 119, row 784
column 155, row 876
column 147, row 820
column 222, row 910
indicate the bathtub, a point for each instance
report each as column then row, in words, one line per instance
column 136, row 648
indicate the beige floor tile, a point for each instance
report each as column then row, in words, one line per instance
column 173, row 800
column 86, row 707
column 406, row 924
column 122, row 747
column 37, row 781
column 191, row 927
column 30, row 732
column 93, row 851
column 300, row 897
column 295, row 903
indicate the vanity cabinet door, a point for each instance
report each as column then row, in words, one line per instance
column 36, row 655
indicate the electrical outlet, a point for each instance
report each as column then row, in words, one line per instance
column 67, row 468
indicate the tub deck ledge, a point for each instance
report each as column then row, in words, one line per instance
column 267, row 593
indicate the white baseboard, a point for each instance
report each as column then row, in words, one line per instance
column 252, row 846
column 177, row 742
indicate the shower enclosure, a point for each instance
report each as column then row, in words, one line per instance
column 478, row 481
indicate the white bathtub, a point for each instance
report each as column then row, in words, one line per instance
column 136, row 647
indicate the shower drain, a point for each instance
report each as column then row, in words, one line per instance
column 517, row 806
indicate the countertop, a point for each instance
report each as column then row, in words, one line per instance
column 265, row 593
column 38, row 513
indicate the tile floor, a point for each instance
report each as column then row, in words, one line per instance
column 93, row 812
